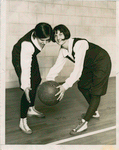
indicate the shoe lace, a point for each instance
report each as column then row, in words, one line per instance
column 78, row 126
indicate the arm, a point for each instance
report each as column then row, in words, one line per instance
column 57, row 67
column 26, row 59
column 80, row 51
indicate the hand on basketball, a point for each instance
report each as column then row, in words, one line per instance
column 61, row 92
column 27, row 94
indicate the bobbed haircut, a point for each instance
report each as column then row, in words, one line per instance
column 63, row 29
column 43, row 30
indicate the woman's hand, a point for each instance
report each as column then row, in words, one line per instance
column 61, row 92
column 27, row 94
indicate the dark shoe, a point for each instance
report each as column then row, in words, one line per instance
column 82, row 126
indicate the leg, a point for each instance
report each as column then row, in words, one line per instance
column 95, row 100
column 24, row 106
column 82, row 126
column 32, row 97
column 86, row 94
column 23, row 113
column 32, row 111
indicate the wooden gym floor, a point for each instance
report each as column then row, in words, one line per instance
column 61, row 118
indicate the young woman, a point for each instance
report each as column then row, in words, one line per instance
column 26, row 66
column 92, row 69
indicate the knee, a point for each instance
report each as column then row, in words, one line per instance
column 95, row 96
column 95, row 99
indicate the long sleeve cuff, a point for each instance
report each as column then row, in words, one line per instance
column 23, row 87
column 50, row 79
column 65, row 85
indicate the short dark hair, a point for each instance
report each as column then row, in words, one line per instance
column 62, row 28
column 43, row 30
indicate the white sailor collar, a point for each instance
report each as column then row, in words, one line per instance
column 69, row 51
column 35, row 42
column 70, row 45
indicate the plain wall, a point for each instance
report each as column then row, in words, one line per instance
column 93, row 20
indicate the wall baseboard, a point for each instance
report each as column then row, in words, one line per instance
column 12, row 84
column 15, row 84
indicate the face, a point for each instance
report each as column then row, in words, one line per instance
column 44, row 41
column 59, row 37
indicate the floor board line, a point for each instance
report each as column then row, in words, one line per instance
column 81, row 136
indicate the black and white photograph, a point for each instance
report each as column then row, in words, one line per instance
column 59, row 75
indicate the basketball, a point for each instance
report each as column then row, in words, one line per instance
column 47, row 91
